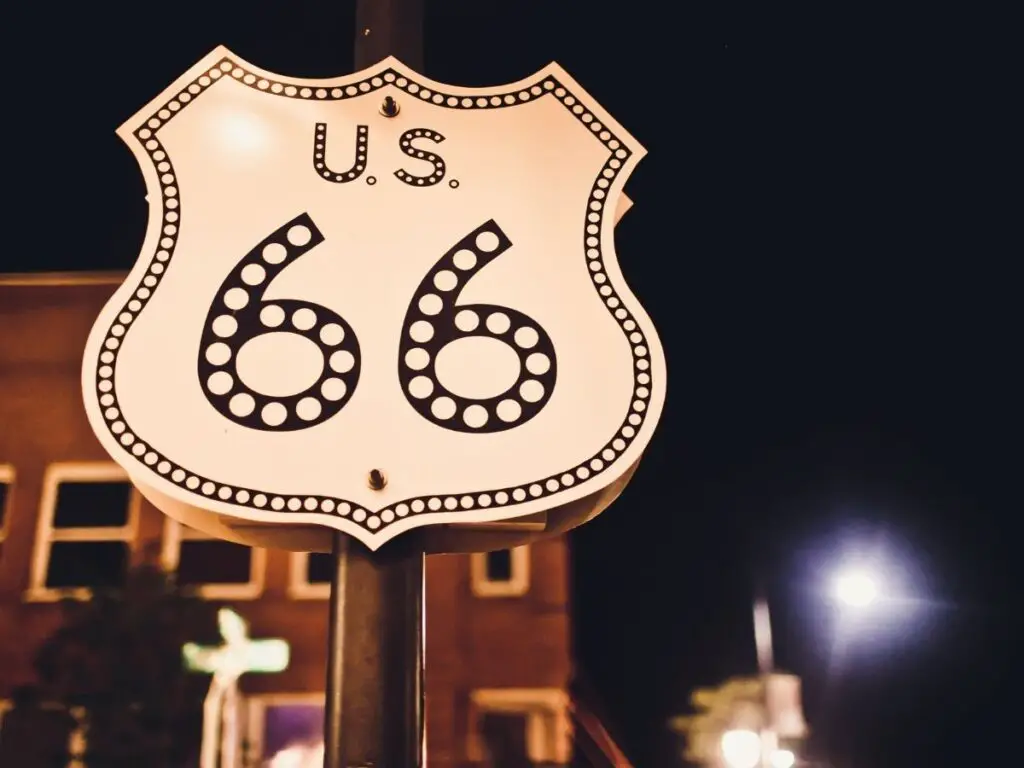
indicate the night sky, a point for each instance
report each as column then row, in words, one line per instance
column 820, row 237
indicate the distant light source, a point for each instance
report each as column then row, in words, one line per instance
column 741, row 749
column 856, row 588
column 783, row 758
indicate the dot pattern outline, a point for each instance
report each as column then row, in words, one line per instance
column 240, row 314
column 405, row 143
column 435, row 319
column 320, row 154
column 372, row 521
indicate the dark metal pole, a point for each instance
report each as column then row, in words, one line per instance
column 333, row 754
column 374, row 713
column 389, row 28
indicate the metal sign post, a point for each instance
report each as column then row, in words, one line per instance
column 374, row 708
column 374, row 713
column 377, row 315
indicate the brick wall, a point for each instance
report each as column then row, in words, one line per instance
column 472, row 642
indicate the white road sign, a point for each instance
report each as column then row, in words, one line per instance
column 327, row 289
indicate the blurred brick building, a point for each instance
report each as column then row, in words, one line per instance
column 498, row 637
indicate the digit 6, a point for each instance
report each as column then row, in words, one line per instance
column 239, row 314
column 433, row 321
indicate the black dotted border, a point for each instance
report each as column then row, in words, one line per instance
column 372, row 521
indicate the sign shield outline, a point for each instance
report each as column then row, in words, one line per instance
column 170, row 479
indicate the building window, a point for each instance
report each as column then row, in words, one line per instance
column 6, row 483
column 86, row 527
column 310, row 576
column 498, row 714
column 502, row 573
column 213, row 568
column 285, row 730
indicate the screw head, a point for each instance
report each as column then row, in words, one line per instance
column 376, row 479
column 389, row 107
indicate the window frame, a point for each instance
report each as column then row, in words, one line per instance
column 46, row 535
column 546, row 742
column 174, row 533
column 256, row 708
column 77, row 743
column 7, row 477
column 516, row 586
column 299, row 587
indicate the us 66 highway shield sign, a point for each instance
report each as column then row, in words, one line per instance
column 375, row 272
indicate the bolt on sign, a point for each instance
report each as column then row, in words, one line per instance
column 375, row 303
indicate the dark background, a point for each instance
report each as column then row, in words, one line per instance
column 821, row 235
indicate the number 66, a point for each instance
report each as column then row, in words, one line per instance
column 240, row 313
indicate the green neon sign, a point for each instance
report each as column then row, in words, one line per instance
column 239, row 654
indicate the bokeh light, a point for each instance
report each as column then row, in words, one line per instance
column 741, row 749
column 856, row 588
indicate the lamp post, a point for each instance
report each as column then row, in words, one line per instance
column 854, row 588
column 767, row 740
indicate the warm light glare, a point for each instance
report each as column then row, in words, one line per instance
column 856, row 588
column 241, row 132
column 783, row 758
column 741, row 749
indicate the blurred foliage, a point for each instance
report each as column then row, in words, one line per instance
column 715, row 713
column 34, row 734
column 116, row 660
column 739, row 703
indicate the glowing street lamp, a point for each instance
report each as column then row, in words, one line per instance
column 856, row 588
